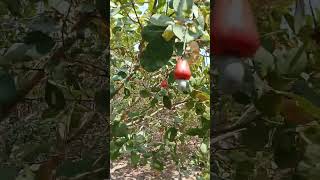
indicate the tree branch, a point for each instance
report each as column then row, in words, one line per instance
column 135, row 12
column 249, row 116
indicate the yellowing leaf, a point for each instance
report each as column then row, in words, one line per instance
column 194, row 47
column 202, row 96
column 168, row 33
column 305, row 105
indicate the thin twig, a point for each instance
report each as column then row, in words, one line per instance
column 313, row 15
column 65, row 23
column 135, row 12
column 154, row 7
column 226, row 135
column 94, row 66
column 248, row 117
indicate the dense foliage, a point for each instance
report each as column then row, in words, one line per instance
column 53, row 92
column 269, row 128
column 150, row 124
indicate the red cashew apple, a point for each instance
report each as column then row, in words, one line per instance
column 164, row 84
column 182, row 73
column 182, row 70
column 234, row 31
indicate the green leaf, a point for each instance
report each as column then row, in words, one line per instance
column 54, row 96
column 122, row 74
column 114, row 150
column 158, row 165
column 112, row 90
column 288, row 23
column 178, row 46
column 268, row 44
column 167, row 102
column 190, row 104
column 145, row 93
column 60, row 5
column 299, row 16
column 200, row 108
column 133, row 114
column 44, row 24
column 263, row 61
column 8, row 91
column 126, row 92
column 156, row 55
column 155, row 89
column 205, row 122
column 171, row 134
column 181, row 6
column 161, row 3
column 291, row 62
column 150, row 6
column 152, row 32
column 195, row 132
column 135, row 158
column 43, row 42
column 184, row 34
column 299, row 58
column 154, row 102
column 171, row 4
column 119, row 130
column 16, row 53
column 161, row 20
column 14, row 7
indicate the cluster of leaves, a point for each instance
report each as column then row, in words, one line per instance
column 53, row 60
column 272, row 132
column 146, row 38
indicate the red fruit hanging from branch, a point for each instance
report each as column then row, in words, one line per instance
column 182, row 70
column 182, row 73
column 234, row 30
column 164, row 84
